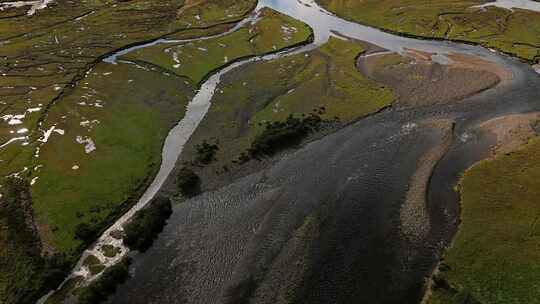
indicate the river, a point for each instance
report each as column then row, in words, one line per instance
column 380, row 171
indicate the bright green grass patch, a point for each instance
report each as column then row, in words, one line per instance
column 126, row 112
column 516, row 32
column 274, row 31
column 495, row 255
column 271, row 91
column 44, row 54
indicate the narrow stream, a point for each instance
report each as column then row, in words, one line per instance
column 324, row 24
column 34, row 6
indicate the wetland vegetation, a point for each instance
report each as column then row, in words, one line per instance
column 516, row 32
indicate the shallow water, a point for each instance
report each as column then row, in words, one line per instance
column 34, row 6
column 324, row 24
column 513, row 4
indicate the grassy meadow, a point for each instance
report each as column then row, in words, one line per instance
column 494, row 256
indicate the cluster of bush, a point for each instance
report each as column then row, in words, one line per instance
column 280, row 135
column 55, row 268
column 104, row 286
column 206, row 153
column 147, row 223
column 87, row 232
column 188, row 182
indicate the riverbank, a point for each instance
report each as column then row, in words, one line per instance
column 495, row 244
column 459, row 22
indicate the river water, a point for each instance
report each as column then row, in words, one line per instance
column 157, row 265
column 513, row 4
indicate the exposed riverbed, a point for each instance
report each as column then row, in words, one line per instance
column 352, row 183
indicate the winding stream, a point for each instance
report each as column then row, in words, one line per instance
column 324, row 24
column 511, row 4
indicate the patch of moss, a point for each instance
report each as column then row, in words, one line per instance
column 110, row 251
column 93, row 264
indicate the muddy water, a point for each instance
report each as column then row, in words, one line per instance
column 360, row 174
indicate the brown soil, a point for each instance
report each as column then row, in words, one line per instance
column 512, row 131
column 418, row 81
column 418, row 55
column 475, row 63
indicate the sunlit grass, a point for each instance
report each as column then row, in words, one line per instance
column 494, row 257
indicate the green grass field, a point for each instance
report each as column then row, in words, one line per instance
column 515, row 32
column 495, row 254
column 126, row 115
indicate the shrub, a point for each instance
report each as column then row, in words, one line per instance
column 99, row 290
column 55, row 269
column 147, row 224
column 283, row 134
column 206, row 153
column 86, row 232
column 188, row 182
